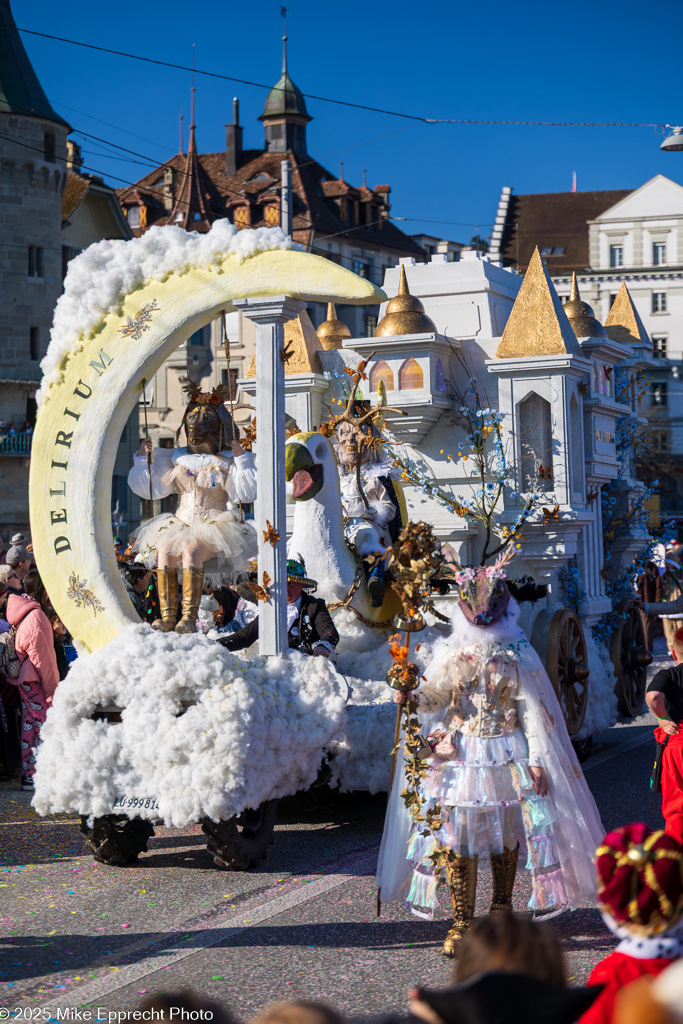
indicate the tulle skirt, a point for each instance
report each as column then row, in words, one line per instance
column 488, row 803
column 230, row 541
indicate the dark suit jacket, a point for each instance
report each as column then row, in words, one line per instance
column 313, row 625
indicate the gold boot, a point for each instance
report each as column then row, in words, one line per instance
column 193, row 583
column 462, row 885
column 167, row 588
column 504, row 871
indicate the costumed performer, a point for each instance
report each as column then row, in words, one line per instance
column 211, row 475
column 310, row 628
column 640, row 893
column 501, row 774
column 372, row 517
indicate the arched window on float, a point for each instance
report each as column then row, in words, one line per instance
column 535, row 435
column 576, row 454
column 410, row 375
column 381, row 371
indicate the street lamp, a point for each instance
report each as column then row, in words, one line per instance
column 673, row 143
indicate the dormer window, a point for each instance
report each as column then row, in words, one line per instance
column 133, row 216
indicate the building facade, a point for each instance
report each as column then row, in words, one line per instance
column 608, row 239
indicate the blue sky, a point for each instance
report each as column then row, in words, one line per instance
column 603, row 61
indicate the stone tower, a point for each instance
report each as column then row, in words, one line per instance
column 32, row 177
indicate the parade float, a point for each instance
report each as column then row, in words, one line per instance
column 503, row 421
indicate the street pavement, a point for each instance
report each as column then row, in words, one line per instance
column 77, row 933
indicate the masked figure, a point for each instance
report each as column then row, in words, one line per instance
column 500, row 772
column 211, row 476
column 372, row 518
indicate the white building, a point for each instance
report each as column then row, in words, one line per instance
column 609, row 238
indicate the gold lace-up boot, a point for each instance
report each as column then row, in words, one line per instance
column 193, row 583
column 167, row 588
column 504, row 871
column 462, row 885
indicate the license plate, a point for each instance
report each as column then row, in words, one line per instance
column 133, row 803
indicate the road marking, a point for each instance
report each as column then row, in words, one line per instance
column 620, row 748
column 232, row 924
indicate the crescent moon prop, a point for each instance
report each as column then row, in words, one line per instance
column 82, row 417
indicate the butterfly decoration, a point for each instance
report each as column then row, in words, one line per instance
column 545, row 472
column 583, row 388
column 249, row 436
column 287, row 352
column 550, row 515
column 270, row 535
column 359, row 373
column 604, row 574
column 608, row 371
column 592, row 495
column 261, row 593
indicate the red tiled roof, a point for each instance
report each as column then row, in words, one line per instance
column 553, row 220
column 314, row 210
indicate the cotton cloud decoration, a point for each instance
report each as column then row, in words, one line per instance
column 255, row 730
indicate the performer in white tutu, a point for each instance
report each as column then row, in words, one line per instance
column 502, row 777
column 211, row 476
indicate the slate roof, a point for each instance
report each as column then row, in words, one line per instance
column 553, row 220
column 20, row 90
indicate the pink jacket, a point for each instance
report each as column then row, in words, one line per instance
column 34, row 642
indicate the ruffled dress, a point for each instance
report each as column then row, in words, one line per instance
column 491, row 713
column 209, row 489
column 483, row 786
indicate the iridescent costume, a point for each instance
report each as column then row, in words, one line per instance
column 491, row 714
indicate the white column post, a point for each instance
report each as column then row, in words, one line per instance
column 269, row 315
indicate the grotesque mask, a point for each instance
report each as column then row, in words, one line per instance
column 208, row 424
column 483, row 594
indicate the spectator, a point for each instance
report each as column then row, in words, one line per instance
column 129, row 553
column 39, row 675
column 10, row 577
column 10, row 711
column 503, row 997
column 59, row 636
column 298, row 1011
column 118, row 549
column 10, row 430
column 136, row 581
column 640, row 892
column 3, row 427
column 184, row 1005
column 652, row 1000
column 19, row 540
column 20, row 560
column 664, row 697
column 506, row 942
column 34, row 587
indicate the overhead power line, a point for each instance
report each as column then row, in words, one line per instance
column 343, row 103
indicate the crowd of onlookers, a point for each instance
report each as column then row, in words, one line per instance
column 33, row 637
column 10, row 430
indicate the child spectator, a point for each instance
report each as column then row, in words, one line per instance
column 38, row 678
column 664, row 698
column 640, row 891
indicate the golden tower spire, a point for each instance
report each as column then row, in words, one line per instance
column 332, row 331
column 623, row 324
column 404, row 314
column 581, row 316
column 537, row 325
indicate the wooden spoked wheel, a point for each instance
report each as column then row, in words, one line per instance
column 566, row 663
column 630, row 658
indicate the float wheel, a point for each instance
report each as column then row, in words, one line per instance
column 560, row 637
column 241, row 842
column 115, row 839
column 630, row 658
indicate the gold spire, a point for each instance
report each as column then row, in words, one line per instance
column 537, row 325
column 623, row 323
column 332, row 331
column 301, row 348
column 581, row 316
column 405, row 314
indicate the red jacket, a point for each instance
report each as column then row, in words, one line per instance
column 34, row 642
column 614, row 972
